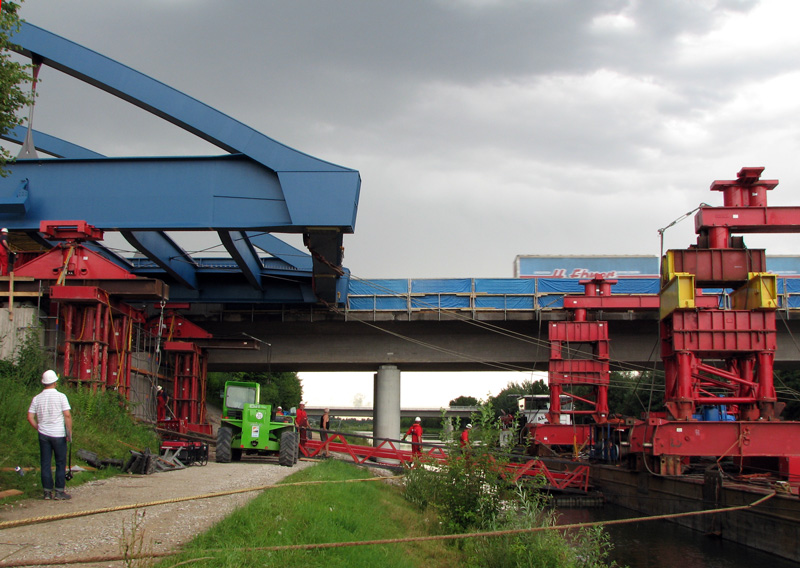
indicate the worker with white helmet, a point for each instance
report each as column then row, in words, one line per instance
column 465, row 436
column 415, row 431
column 49, row 414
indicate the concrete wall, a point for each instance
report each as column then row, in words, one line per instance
column 14, row 325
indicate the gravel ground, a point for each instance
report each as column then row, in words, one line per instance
column 165, row 526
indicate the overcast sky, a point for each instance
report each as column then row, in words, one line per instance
column 482, row 129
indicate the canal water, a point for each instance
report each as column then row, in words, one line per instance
column 661, row 544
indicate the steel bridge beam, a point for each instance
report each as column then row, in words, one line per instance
column 50, row 144
column 162, row 250
column 264, row 186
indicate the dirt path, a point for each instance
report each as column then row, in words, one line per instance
column 165, row 526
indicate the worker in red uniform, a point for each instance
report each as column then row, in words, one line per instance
column 465, row 436
column 162, row 401
column 4, row 252
column 415, row 431
column 301, row 421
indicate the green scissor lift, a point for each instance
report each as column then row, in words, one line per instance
column 248, row 427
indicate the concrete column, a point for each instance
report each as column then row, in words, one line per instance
column 386, row 409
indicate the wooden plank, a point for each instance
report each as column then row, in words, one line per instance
column 16, row 294
column 9, row 493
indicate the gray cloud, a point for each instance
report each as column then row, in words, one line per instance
column 481, row 129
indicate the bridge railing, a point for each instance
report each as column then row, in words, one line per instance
column 505, row 294
column 571, row 477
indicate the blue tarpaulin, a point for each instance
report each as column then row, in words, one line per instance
column 504, row 293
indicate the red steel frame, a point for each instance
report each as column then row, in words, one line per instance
column 97, row 336
column 190, row 369
column 574, row 477
column 743, row 339
column 572, row 366
column 97, row 328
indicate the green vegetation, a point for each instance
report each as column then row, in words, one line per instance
column 13, row 75
column 101, row 423
column 787, row 384
column 467, row 493
column 324, row 513
column 464, row 401
column 506, row 399
column 277, row 389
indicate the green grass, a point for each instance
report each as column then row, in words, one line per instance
column 334, row 512
column 101, row 424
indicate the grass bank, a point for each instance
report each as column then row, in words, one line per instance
column 101, row 423
column 322, row 513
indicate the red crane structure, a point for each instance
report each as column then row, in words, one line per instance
column 97, row 348
column 723, row 354
column 97, row 325
column 717, row 348
column 189, row 363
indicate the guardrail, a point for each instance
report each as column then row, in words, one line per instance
column 574, row 477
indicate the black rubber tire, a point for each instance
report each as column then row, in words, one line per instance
column 202, row 459
column 224, row 437
column 290, row 446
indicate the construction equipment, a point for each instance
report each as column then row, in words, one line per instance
column 248, row 427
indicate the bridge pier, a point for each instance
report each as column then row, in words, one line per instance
column 386, row 410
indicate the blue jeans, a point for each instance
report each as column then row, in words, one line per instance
column 48, row 446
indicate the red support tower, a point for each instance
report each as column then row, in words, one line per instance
column 97, row 328
column 579, row 357
column 722, row 353
column 741, row 335
column 188, row 362
column 97, row 334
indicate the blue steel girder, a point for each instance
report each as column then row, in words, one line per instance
column 265, row 186
column 282, row 250
column 63, row 149
column 242, row 251
column 50, row 144
column 162, row 250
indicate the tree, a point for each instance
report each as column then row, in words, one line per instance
column 277, row 389
column 507, row 398
column 787, row 384
column 636, row 392
column 13, row 76
column 464, row 401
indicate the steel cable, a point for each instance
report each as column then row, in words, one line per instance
column 447, row 537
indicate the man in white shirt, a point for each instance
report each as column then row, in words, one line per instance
column 49, row 414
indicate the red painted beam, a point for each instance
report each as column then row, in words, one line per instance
column 749, row 219
column 739, row 439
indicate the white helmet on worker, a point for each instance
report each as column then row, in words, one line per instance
column 3, row 230
column 49, row 377
column 417, row 419
column 469, row 426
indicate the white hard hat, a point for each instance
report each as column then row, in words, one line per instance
column 158, row 387
column 469, row 426
column 417, row 419
column 49, row 377
column 3, row 230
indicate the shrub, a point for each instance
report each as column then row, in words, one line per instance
column 468, row 493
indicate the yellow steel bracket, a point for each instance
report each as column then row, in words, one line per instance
column 760, row 292
column 678, row 293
